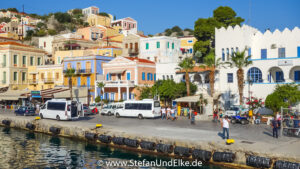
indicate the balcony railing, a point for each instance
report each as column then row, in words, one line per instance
column 49, row 80
column 32, row 81
column 120, row 83
column 133, row 52
column 83, row 71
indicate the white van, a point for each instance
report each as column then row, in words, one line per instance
column 111, row 108
column 60, row 109
column 146, row 108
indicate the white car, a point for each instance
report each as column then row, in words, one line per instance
column 94, row 105
column 234, row 111
column 111, row 108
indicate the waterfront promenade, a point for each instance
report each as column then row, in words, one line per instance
column 251, row 139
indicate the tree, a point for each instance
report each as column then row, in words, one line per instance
column 115, row 17
column 283, row 96
column 240, row 60
column 186, row 65
column 3, row 10
column 5, row 19
column 12, row 9
column 204, row 29
column 77, row 11
column 168, row 32
column 101, row 86
column 176, row 29
column 63, row 17
column 41, row 32
column 29, row 34
column 70, row 73
column 145, row 92
column 103, row 14
column 52, row 32
column 41, row 25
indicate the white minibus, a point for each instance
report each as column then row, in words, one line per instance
column 147, row 108
column 111, row 108
column 60, row 109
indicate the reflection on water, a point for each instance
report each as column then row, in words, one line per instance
column 24, row 149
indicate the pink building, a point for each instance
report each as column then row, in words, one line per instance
column 128, row 25
column 124, row 74
column 91, row 33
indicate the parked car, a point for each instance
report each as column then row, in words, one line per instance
column 25, row 111
column 94, row 105
column 87, row 110
column 239, row 119
column 111, row 108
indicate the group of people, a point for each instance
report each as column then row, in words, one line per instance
column 168, row 113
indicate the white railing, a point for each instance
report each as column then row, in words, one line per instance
column 119, row 83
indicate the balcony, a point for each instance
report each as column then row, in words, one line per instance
column 49, row 80
column 133, row 52
column 83, row 71
column 119, row 83
column 32, row 81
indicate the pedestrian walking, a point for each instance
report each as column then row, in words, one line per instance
column 215, row 115
column 225, row 125
column 193, row 118
column 163, row 113
column 168, row 112
column 274, row 125
column 37, row 111
column 173, row 117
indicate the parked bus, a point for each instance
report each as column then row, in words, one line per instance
column 60, row 109
column 146, row 108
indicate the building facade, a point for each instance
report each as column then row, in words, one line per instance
column 45, row 77
column 127, row 25
column 46, row 43
column 275, row 56
column 90, row 10
column 124, row 75
column 15, row 59
column 186, row 45
column 87, row 68
column 131, row 44
column 95, row 20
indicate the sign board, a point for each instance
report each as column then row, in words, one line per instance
column 36, row 94
column 285, row 62
column 101, row 97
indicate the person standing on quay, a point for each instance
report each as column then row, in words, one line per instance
column 225, row 125
column 163, row 113
column 275, row 127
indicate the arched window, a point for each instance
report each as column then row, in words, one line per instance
column 255, row 75
column 206, row 80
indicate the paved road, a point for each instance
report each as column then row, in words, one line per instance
column 253, row 137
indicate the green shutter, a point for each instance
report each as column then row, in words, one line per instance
column 4, row 60
column 15, row 76
column 15, row 59
column 31, row 61
column 168, row 45
column 24, row 60
column 157, row 44
column 147, row 46
column 4, row 77
column 172, row 45
column 23, row 76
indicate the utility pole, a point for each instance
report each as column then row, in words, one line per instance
column 22, row 26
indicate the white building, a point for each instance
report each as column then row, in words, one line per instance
column 90, row 10
column 128, row 25
column 275, row 56
column 46, row 43
column 165, row 52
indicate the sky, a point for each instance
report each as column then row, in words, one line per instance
column 154, row 16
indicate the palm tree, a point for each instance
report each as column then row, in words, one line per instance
column 70, row 73
column 213, row 64
column 240, row 60
column 101, row 86
column 186, row 65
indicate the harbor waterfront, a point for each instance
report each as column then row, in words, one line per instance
column 250, row 140
column 37, row 150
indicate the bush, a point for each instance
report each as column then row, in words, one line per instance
column 63, row 17
column 97, row 99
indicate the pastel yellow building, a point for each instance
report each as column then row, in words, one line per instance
column 14, row 61
column 187, row 44
column 12, row 35
column 101, row 51
column 45, row 77
column 95, row 20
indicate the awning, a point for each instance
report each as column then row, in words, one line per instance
column 116, row 71
column 189, row 99
column 77, row 93
column 14, row 94
column 33, row 73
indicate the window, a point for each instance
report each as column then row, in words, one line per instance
column 227, row 54
column 172, row 45
column 281, row 52
column 190, row 41
column 42, row 76
column 24, row 60
column 112, row 96
column 255, row 75
column 56, row 106
column 229, row 77
column 232, row 51
column 15, row 76
column 131, row 45
column 223, row 54
column 23, row 76
column 157, row 45
column 151, row 76
column 163, row 77
column 39, row 61
column 31, row 61
column 154, row 76
column 263, row 53
column 168, row 45
column 128, row 75
column 4, row 77
column 58, row 60
column 297, row 75
column 143, row 75
column 108, row 76
column 147, row 46
column 148, row 76
column 236, row 49
column 249, row 51
column 191, row 50
column 126, row 45
column 172, row 77
column 15, row 60
column 4, row 61
column 57, row 75
column 279, row 76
